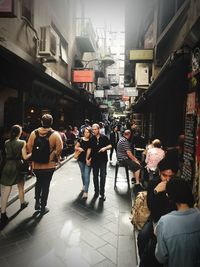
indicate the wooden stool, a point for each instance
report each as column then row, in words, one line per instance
column 116, row 172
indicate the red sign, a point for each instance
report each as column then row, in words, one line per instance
column 83, row 76
column 125, row 98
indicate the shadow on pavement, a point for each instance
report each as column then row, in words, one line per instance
column 27, row 224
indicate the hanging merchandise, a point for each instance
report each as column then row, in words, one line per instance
column 189, row 142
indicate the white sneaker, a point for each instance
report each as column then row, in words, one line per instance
column 85, row 195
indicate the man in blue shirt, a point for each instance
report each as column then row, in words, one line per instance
column 178, row 232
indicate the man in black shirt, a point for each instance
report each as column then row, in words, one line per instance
column 114, row 138
column 97, row 154
column 159, row 205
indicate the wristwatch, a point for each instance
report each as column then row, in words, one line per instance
column 155, row 192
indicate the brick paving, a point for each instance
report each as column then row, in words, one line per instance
column 74, row 233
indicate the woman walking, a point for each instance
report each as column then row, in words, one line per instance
column 15, row 150
column 82, row 146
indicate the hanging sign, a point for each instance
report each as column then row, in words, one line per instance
column 130, row 91
column 99, row 93
column 83, row 76
column 141, row 54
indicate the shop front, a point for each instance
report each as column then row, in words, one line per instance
column 26, row 92
column 163, row 104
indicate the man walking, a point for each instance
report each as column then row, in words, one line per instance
column 46, row 146
column 97, row 157
column 114, row 138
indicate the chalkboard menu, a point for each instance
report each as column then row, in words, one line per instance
column 189, row 147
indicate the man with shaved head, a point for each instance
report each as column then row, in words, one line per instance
column 97, row 157
column 126, row 157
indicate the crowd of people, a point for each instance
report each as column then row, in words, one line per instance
column 169, row 237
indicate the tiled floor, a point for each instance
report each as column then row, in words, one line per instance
column 74, row 233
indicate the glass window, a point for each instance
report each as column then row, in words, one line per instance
column 27, row 9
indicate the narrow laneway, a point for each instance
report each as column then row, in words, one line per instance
column 74, row 233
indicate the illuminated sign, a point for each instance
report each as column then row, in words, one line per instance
column 103, row 106
column 83, row 76
column 141, row 55
column 99, row 93
column 125, row 98
column 130, row 91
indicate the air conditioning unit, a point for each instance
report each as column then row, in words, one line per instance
column 141, row 74
column 49, row 42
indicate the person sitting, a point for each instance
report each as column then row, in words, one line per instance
column 154, row 155
column 159, row 205
column 126, row 158
column 178, row 232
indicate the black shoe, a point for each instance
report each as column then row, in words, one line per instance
column 24, row 205
column 44, row 211
column 96, row 196
column 37, row 205
column 4, row 220
column 102, row 198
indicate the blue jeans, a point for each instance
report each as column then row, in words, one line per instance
column 85, row 175
column 99, row 167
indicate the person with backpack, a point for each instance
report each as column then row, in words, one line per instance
column 46, row 147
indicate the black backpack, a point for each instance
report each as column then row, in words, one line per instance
column 41, row 148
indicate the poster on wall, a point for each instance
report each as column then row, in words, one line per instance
column 189, row 148
column 6, row 8
column 191, row 103
column 190, row 138
column 196, row 187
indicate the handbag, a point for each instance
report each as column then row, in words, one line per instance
column 24, row 166
column 2, row 160
column 140, row 211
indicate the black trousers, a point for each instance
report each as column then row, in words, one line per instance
column 144, row 236
column 43, row 179
column 146, row 246
column 99, row 167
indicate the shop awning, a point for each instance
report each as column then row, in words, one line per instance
column 24, row 65
column 173, row 71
